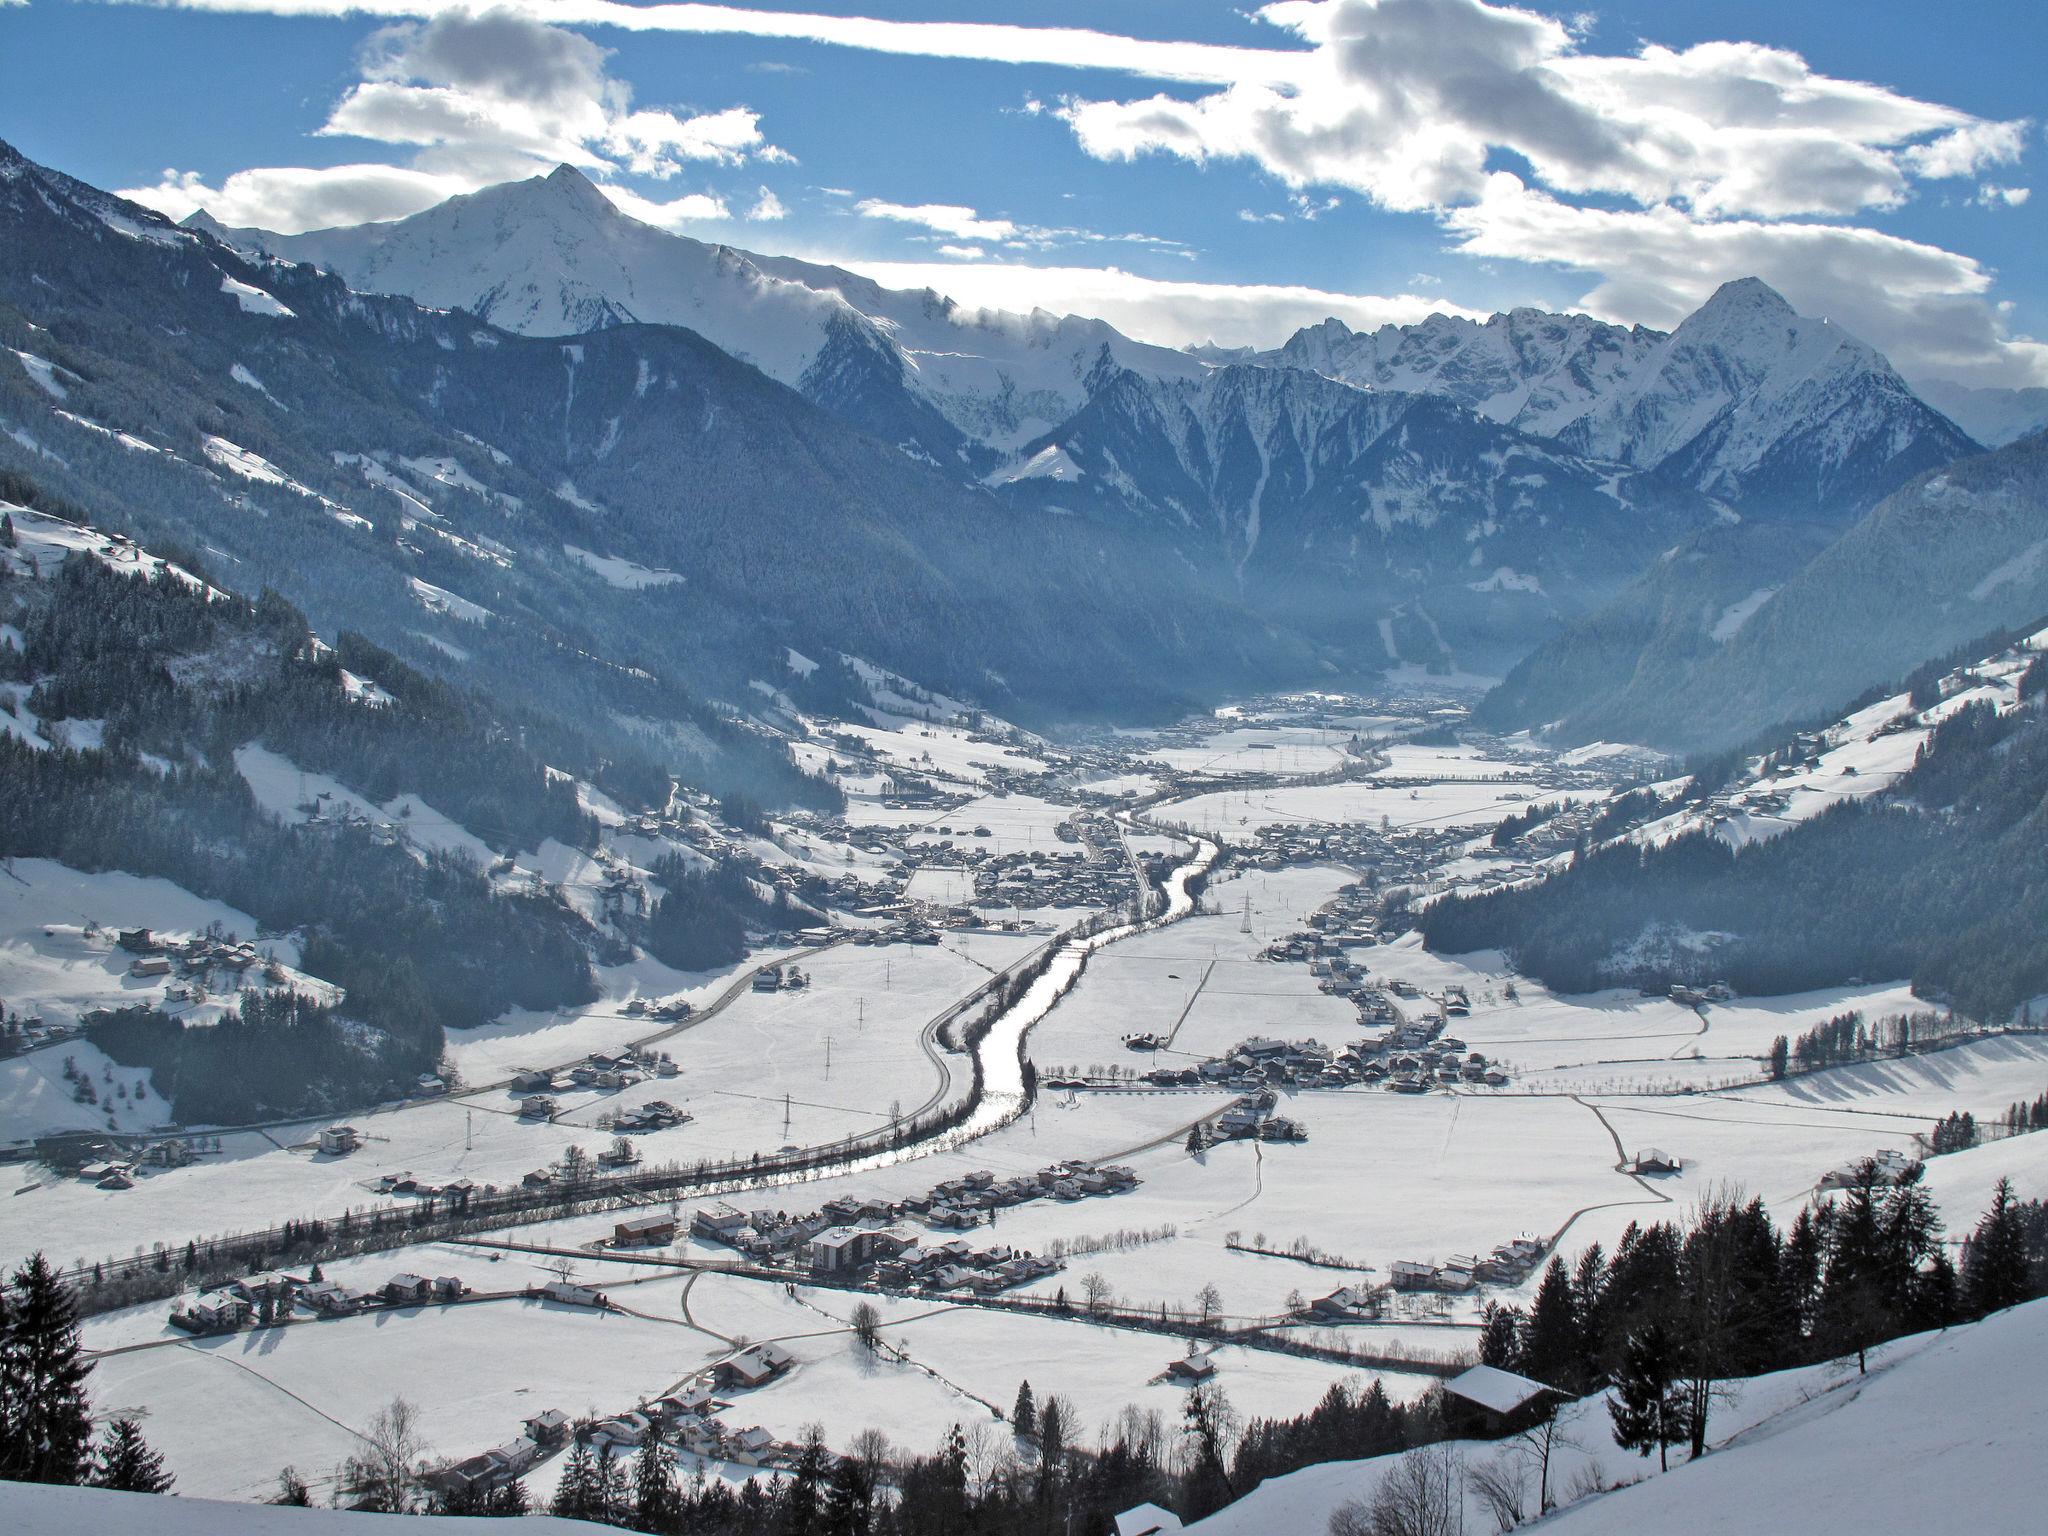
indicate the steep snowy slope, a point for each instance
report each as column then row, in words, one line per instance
column 1941, row 1435
column 1748, row 400
column 552, row 256
column 1469, row 537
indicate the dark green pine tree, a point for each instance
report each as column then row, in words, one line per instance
column 609, row 1500
column 800, row 1495
column 125, row 1461
column 1650, row 1406
column 575, row 1495
column 46, row 1431
column 1553, row 1342
column 1024, row 1415
column 654, row 1484
column 1995, row 1262
column 1500, row 1336
column 849, row 1499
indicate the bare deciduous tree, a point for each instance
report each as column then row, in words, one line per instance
column 867, row 1327
column 385, row 1474
column 1423, row 1494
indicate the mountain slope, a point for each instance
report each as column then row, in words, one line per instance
column 465, row 494
column 552, row 256
column 1737, row 631
column 1335, row 502
column 1903, row 840
column 1778, row 413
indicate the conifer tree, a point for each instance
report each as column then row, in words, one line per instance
column 1024, row 1416
column 849, row 1499
column 1553, row 1341
column 45, row 1428
column 609, row 1500
column 125, row 1461
column 1995, row 1262
column 654, row 1483
column 575, row 1495
column 1650, row 1407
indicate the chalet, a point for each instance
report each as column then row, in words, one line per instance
column 754, row 1365
column 718, row 1226
column 1501, row 1401
column 331, row 1300
column 550, row 1428
column 1148, row 1520
column 569, row 1294
column 1191, row 1369
column 339, row 1140
column 750, row 1447
column 403, row 1290
column 449, row 1288
column 1406, row 1275
column 214, row 1312
column 624, row 1429
column 642, row 1231
column 150, row 965
column 278, row 1289
column 532, row 1082
column 537, row 1107
column 1650, row 1160
column 1345, row 1304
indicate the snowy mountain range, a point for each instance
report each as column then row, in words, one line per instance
column 1747, row 400
column 552, row 256
column 815, row 450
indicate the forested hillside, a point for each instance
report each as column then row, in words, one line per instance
column 172, row 676
column 620, row 530
column 1749, row 626
column 1937, row 879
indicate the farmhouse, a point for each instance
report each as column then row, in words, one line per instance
column 754, row 1365
column 339, row 1140
column 569, row 1294
column 641, row 1231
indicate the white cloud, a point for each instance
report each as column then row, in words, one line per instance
column 1068, row 47
column 1924, row 306
column 1407, row 101
column 478, row 97
column 767, row 208
column 673, row 214
column 2003, row 197
column 1152, row 309
column 1710, row 152
column 941, row 218
column 292, row 198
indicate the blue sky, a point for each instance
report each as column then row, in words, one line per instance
column 1188, row 170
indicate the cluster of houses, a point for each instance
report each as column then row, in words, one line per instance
column 1251, row 1118
column 198, row 956
column 488, row 1471
column 1392, row 1060
column 1509, row 1265
column 852, row 1238
column 689, row 1418
column 275, row 1297
column 603, row 1070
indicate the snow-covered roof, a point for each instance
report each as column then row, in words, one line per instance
column 1494, row 1389
column 1147, row 1520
